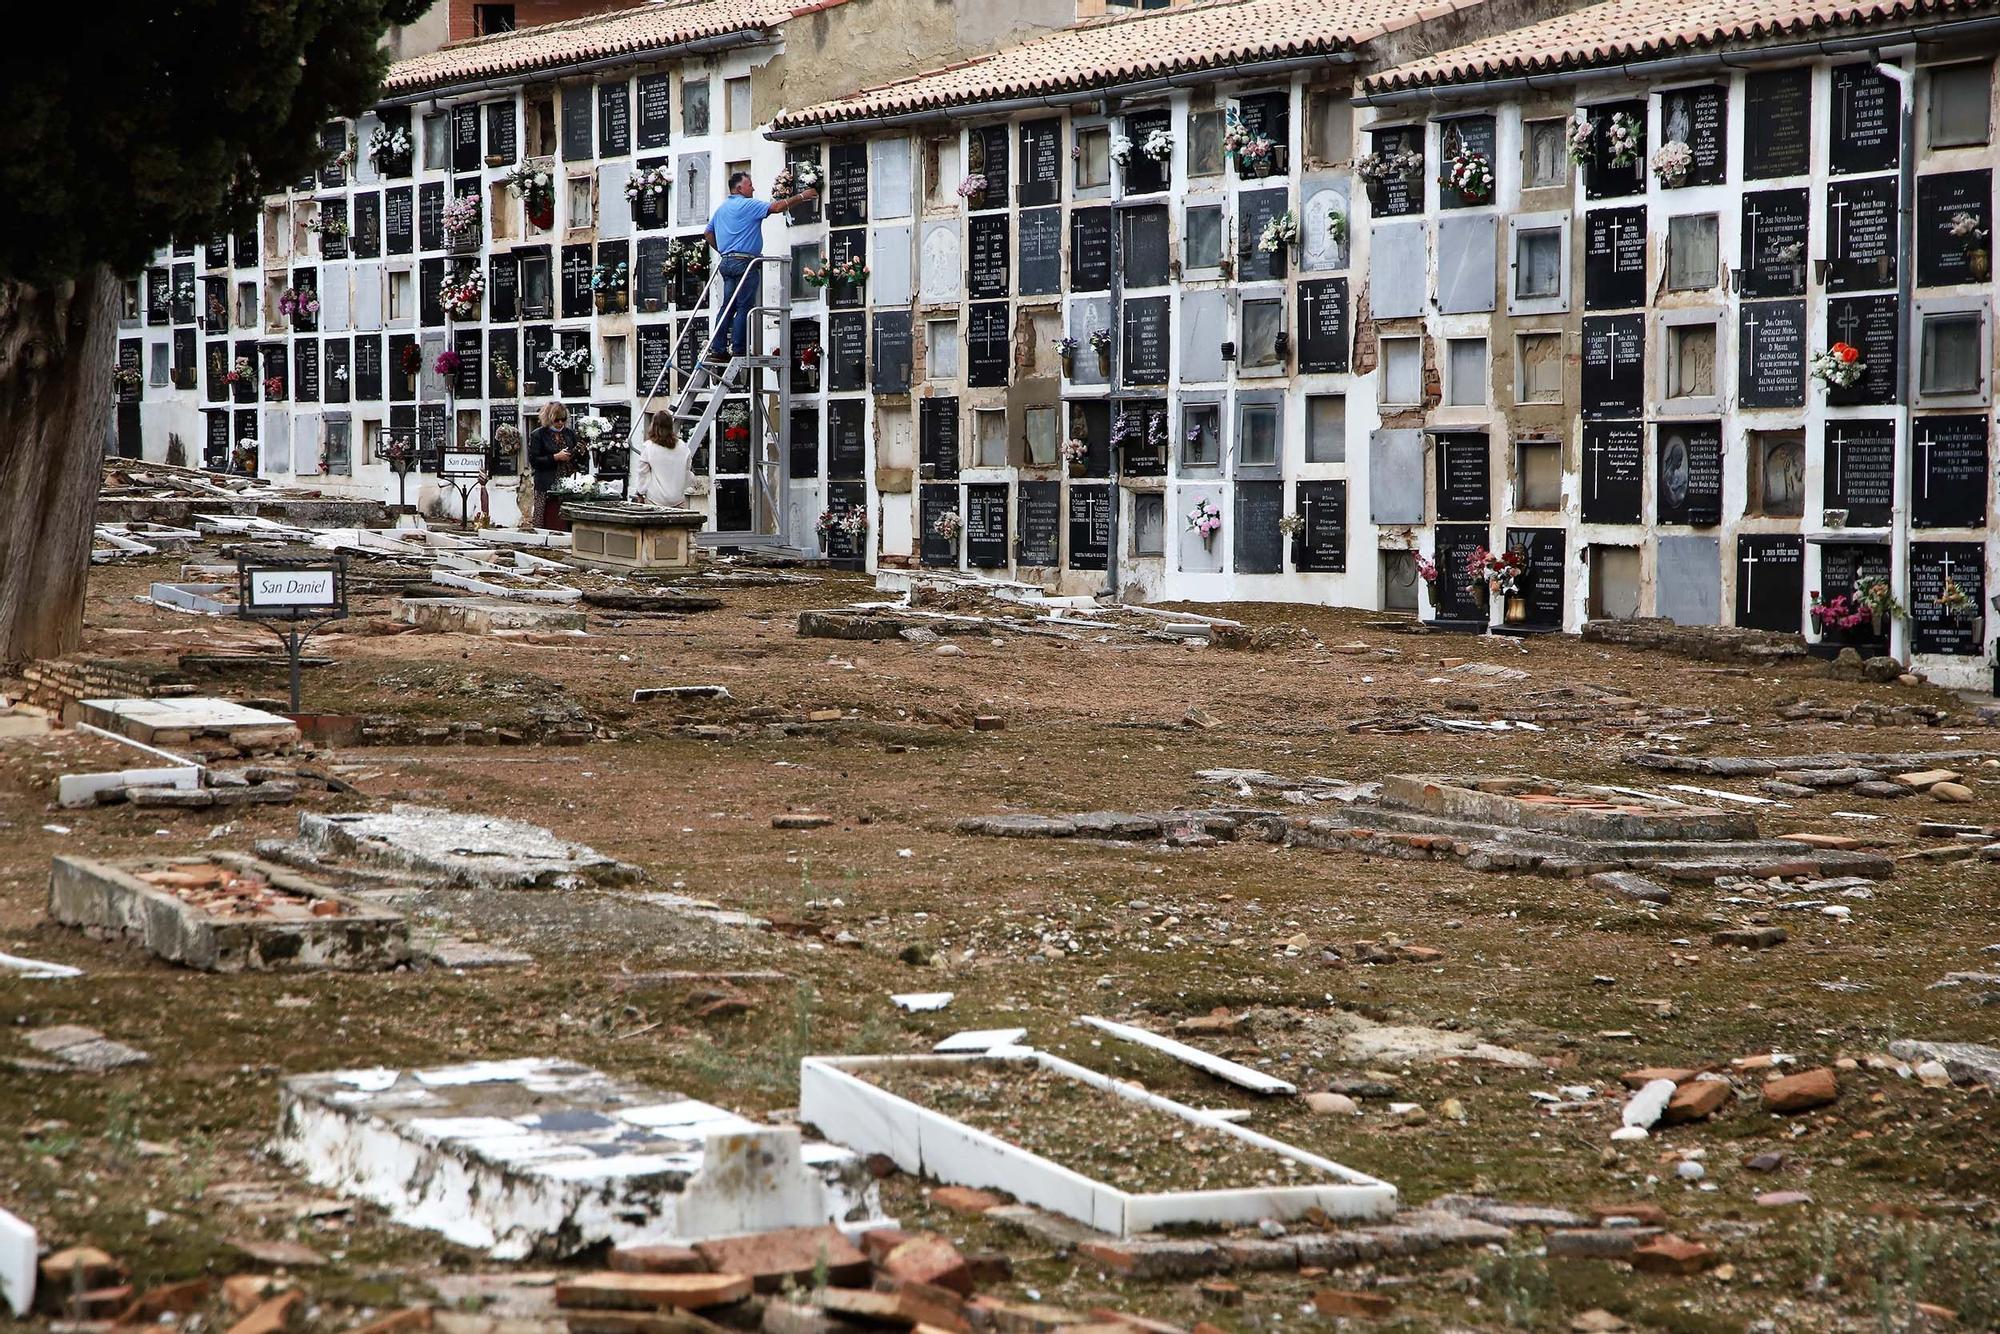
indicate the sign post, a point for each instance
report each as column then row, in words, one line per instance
column 293, row 597
column 462, row 470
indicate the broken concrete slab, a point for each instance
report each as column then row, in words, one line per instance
column 74, row 790
column 17, row 1265
column 1241, row 1075
column 979, row 1041
column 483, row 616
column 1964, row 1062
column 86, row 1049
column 545, row 1157
column 38, row 969
column 770, row 1259
column 186, row 721
column 1554, row 808
column 645, row 693
column 226, row 913
column 477, row 851
column 1631, row 885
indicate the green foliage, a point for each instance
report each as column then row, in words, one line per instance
column 170, row 120
column 1518, row 1285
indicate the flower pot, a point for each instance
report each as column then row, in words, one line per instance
column 977, row 200
column 542, row 215
column 1981, row 263
column 1069, row 365
column 496, row 159
column 183, row 378
column 621, row 301
column 1104, row 363
column 602, row 300
column 1515, row 610
column 1876, row 622
column 1076, row 468
column 650, row 305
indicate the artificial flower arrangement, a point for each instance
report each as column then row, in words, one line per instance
column 1205, row 521
column 809, row 358
column 1255, row 153
column 1499, row 573
column 1840, row 366
column 389, row 145
column 327, row 224
column 1336, row 225
column 298, row 303
column 503, row 371
column 339, row 375
column 853, row 269
column 460, row 219
column 448, row 364
column 1578, row 136
column 1075, row 451
column 793, row 180
column 848, row 523
column 1156, row 430
column 1400, row 164
column 1471, row 174
column 460, row 294
column 127, row 379
column 1791, row 252
column 240, row 372
column 973, row 186
column 564, row 360
column 1291, row 525
column 1427, row 571
column 735, row 421
column 647, row 183
column 413, row 359
column 592, row 429
column 581, row 486
column 1159, row 145
column 1279, row 233
column 1100, row 342
column 1671, row 162
column 1965, row 227
column 1870, row 604
column 610, row 277
column 1624, row 138
column 948, row 526
column 274, row 386
column 1129, row 428
column 531, row 180
column 1956, row 602
column 1121, row 149
column 688, row 257
column 344, row 159
column 1066, row 348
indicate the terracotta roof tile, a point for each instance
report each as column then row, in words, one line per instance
column 1619, row 30
column 1103, row 52
column 553, row 45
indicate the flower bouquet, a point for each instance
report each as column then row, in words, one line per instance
column 1074, row 452
column 973, row 188
column 1956, row 603
column 793, row 180
column 1578, row 137
column 1159, row 145
column 948, row 526
column 240, row 372
column 1121, row 149
column 460, row 294
column 127, row 379
column 327, row 224
column 1671, row 163
column 389, row 147
column 1499, row 573
column 1471, row 174
column 1205, row 521
column 566, row 360
column 1377, row 168
column 298, row 303
column 648, row 183
column 1255, row 154
column 1840, row 366
column 1624, row 139
column 460, row 220
column 274, row 386
column 1066, row 348
column 1280, row 233
column 1291, row 525
column 531, row 180
column 1100, row 343
column 735, row 422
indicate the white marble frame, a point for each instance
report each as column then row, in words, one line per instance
column 868, row 1119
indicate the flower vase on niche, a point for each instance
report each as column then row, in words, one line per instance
column 1516, row 609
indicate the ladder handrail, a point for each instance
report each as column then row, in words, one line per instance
column 687, row 331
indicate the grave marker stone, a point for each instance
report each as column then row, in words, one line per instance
column 1397, row 196
column 1089, row 527
column 1867, row 323
column 846, row 439
column 1614, row 258
column 933, row 503
column 1859, row 474
column 893, row 352
column 1041, row 162
column 1867, row 121
column 1770, row 581
column 1090, row 250
column 1774, row 231
column 1321, row 546
column 987, row 267
column 656, row 111
column 986, row 342
column 1040, row 270
column 1542, row 572
column 1147, row 344
column 1038, row 540
column 1689, row 489
column 1456, row 596
column 1464, row 477
column 986, row 526
column 1777, row 123
column 1699, row 118
column 1861, row 234
column 1687, row 584
column 847, row 351
column 847, row 185
column 1614, row 366
column 1771, row 354
column 1950, row 472
column 1614, row 471
column 1259, row 545
column 1933, row 629
column 937, row 437
column 1323, row 326
column 1942, row 258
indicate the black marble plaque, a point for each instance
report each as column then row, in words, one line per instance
column 1770, row 581
column 1041, row 163
column 1771, row 354
column 1869, row 324
column 1258, row 542
column 467, row 383
column 1541, row 577
column 1321, row 546
column 1254, row 209
column 1090, row 250
column 400, row 219
column 988, row 146
column 1474, row 134
column 1777, row 123
column 1614, row 471
column 1038, row 532
column 805, row 334
column 803, row 443
column 1323, row 326
column 1867, row 121
column 1689, row 486
column 465, row 137
column 1846, row 566
column 503, row 363
column 574, row 282
column 1143, row 175
column 847, row 185
column 986, row 256
column 217, row 446
column 1614, row 366
column 1775, row 227
column 846, row 439
column 654, row 209
column 1699, row 118
column 656, row 346
column 1090, row 422
column 305, row 370
column 892, row 352
column 1942, row 201
column 215, row 252
column 844, row 498
column 1147, row 349
column 430, row 306
column 368, row 368
column 503, row 289
column 1950, row 474
column 1040, row 272
column 656, row 111
column 1861, row 234
column 537, row 381
column 937, row 437
column 430, row 215
column 339, row 365
column 1145, row 249
column 1614, row 258
column 1933, row 629
column 614, row 119
column 1397, row 196
column 933, row 503
column 1456, row 596
column 503, row 131
column 1089, row 527
column 986, row 526
column 1859, row 472
column 1464, row 477
column 847, row 351
column 841, row 246
column 1602, row 178
column 364, row 234
column 576, row 99
column 986, row 345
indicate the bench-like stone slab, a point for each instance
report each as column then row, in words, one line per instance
column 473, row 851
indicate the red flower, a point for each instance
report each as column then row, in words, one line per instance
column 1846, row 352
column 736, row 433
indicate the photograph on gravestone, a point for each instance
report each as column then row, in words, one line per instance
column 1467, row 135
column 1699, row 118
column 1394, row 172
column 1464, row 477
column 430, row 215
column 893, row 352
column 1320, row 547
column 576, row 100
column 1090, row 249
column 1255, row 209
column 1868, row 324
column 846, row 439
column 1777, row 123
column 1861, row 239
column 1845, row 567
column 1258, row 542
column 1609, row 172
column 1614, row 258
column 1948, row 603
column 937, row 546
column 847, row 352
column 1775, row 227
column 465, row 137
column 1040, row 272
column 1771, row 354
column 1041, row 163
column 1950, row 472
column 1089, row 527
column 1954, row 228
column 847, row 185
column 1147, row 346
column 986, row 256
column 614, row 119
column 503, row 135
column 1858, row 475
column 1688, row 489
column 804, row 442
column 1323, row 327
column 986, row 526
column 1614, row 471
column 1866, row 127
column 656, row 111
column 986, row 344
column 937, row 438
column 1038, row 540
column 844, row 498
column 1457, row 598
column 1541, row 578
column 1770, row 582
column 1614, row 366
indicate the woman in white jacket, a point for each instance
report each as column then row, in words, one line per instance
column 660, row 466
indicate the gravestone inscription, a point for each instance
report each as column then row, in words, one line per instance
column 1321, row 546
column 1089, row 527
column 1689, row 487
column 1090, row 250
column 1867, row 121
column 1464, row 477
column 1771, row 354
column 1614, row 258
column 893, row 352
column 1541, row 578
column 1775, row 227
column 1041, row 162
column 1040, row 270
column 1777, row 123
column 1699, row 118
column 1614, row 366
column 1954, row 228
column 1859, row 474
column 1868, row 324
column 986, row 252
column 1038, row 538
column 1770, row 581
column 986, row 344
column 933, row 503
column 847, row 350
column 1950, row 472
column 1457, row 597
column 986, row 526
column 1861, row 234
column 1323, row 326
column 1259, row 543
column 1614, row 471
column 1958, row 629
column 937, row 437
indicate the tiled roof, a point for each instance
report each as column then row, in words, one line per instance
column 572, row 41
column 1125, row 49
column 1621, row 30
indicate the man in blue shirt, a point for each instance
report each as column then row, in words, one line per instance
column 736, row 231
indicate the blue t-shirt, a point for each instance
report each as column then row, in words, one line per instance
column 738, row 224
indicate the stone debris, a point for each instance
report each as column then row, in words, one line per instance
column 1762, row 766
column 73, row 1047
column 1964, row 1062
column 36, row 969
column 647, row 1292
column 474, row 851
column 1801, row 1092
column 211, row 728
column 1240, row 1075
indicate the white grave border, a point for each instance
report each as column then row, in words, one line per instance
column 848, row 1110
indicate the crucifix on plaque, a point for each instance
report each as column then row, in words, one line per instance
column 1925, row 445
column 1839, row 208
column 1596, row 448
column 1849, row 319
column 1749, row 563
column 1750, row 323
column 1753, row 213
column 1944, row 564
column 1616, row 225
column 1839, row 442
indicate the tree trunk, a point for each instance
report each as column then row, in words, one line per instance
column 57, row 350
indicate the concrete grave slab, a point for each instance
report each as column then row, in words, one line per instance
column 85, row 1049
column 177, row 722
column 1241, row 1075
column 835, row 1098
column 226, row 913
column 482, row 616
column 1589, row 814
column 476, row 851
column 543, row 1157
column 36, row 968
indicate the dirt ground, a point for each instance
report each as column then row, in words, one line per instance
column 163, row 1164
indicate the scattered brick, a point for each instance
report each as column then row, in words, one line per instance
column 767, row 1259
column 930, row 1260
column 965, row 1200
column 656, row 1260
column 685, row 1292
column 1366, row 1305
column 1696, row 1099
column 272, row 1315
column 1669, row 1254
column 1801, row 1092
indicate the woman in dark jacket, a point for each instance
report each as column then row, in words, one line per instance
column 551, row 453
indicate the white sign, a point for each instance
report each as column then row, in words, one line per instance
column 292, row 588
column 462, row 463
